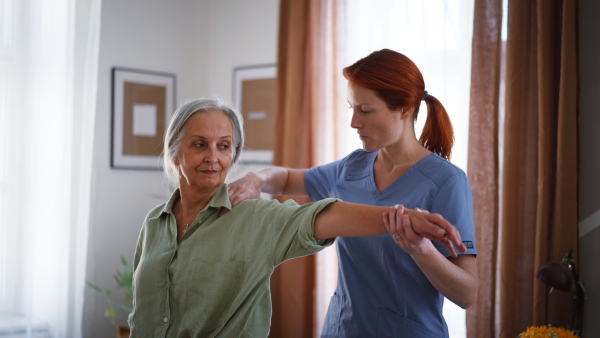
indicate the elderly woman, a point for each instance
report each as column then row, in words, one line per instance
column 200, row 275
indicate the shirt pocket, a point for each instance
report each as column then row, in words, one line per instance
column 211, row 292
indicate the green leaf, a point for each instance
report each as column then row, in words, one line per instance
column 99, row 289
column 126, row 308
column 124, row 281
column 110, row 312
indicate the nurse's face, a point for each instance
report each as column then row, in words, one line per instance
column 377, row 125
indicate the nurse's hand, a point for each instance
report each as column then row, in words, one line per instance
column 399, row 226
column 247, row 187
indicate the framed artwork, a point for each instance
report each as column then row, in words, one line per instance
column 254, row 96
column 142, row 105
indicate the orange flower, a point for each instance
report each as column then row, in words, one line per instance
column 547, row 332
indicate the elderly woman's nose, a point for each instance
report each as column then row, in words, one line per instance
column 211, row 154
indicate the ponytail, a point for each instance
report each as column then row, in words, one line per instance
column 438, row 134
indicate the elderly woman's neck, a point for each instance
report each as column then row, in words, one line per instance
column 192, row 200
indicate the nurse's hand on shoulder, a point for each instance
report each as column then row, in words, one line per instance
column 242, row 189
column 247, row 187
column 399, row 227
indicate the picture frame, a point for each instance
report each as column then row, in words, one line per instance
column 254, row 97
column 142, row 105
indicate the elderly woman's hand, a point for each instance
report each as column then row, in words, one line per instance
column 412, row 230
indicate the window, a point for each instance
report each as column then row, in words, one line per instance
column 7, row 57
column 45, row 71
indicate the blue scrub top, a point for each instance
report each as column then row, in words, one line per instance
column 381, row 291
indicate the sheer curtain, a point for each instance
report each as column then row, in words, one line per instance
column 436, row 35
column 47, row 97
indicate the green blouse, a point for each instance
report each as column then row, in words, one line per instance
column 215, row 280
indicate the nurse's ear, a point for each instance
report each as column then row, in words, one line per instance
column 406, row 114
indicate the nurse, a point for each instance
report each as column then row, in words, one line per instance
column 389, row 285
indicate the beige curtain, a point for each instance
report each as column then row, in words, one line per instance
column 306, row 72
column 538, row 190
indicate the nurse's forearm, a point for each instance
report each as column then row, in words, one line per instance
column 454, row 277
column 277, row 181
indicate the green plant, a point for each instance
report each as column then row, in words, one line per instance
column 124, row 281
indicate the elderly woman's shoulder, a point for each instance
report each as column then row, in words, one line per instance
column 156, row 212
column 271, row 206
column 252, row 209
column 267, row 203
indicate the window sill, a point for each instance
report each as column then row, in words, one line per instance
column 14, row 326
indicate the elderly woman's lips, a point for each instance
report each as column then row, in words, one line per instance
column 210, row 172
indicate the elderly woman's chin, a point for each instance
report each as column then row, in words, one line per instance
column 215, row 180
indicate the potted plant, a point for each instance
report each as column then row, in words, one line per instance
column 124, row 279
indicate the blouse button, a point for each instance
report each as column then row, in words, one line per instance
column 166, row 319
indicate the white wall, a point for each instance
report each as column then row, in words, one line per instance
column 242, row 33
column 200, row 41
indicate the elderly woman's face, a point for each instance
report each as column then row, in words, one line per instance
column 206, row 150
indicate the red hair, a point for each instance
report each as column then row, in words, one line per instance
column 399, row 83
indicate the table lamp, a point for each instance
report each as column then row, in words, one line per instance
column 564, row 277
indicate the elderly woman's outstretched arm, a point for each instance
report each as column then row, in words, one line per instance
column 353, row 220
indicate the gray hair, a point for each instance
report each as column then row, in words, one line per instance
column 174, row 133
